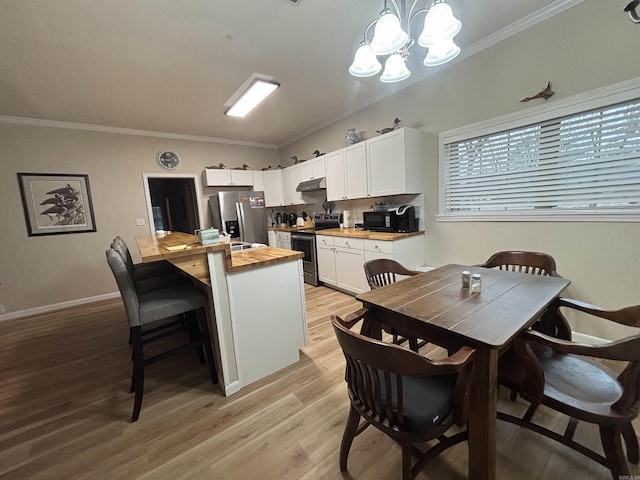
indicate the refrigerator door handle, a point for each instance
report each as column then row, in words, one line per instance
column 241, row 220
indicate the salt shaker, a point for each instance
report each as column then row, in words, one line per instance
column 476, row 283
column 466, row 279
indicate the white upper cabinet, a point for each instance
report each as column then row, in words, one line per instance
column 291, row 178
column 226, row 178
column 313, row 168
column 384, row 165
column 258, row 180
column 355, row 164
column 273, row 190
column 336, row 178
column 393, row 163
column 347, row 173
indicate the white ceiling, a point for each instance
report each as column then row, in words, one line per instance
column 170, row 65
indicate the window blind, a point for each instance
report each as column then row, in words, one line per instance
column 587, row 162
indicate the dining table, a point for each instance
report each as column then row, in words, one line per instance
column 436, row 307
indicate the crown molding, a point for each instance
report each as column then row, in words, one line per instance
column 35, row 122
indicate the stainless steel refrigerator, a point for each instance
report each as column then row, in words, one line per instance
column 241, row 214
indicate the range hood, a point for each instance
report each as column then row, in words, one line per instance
column 312, row 185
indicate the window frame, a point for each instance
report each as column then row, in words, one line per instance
column 599, row 98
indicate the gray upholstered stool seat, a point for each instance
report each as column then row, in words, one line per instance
column 169, row 302
column 183, row 300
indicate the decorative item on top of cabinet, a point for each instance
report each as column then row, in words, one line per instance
column 546, row 93
column 352, row 137
column 220, row 166
column 396, row 125
column 631, row 10
column 243, row 167
column 266, row 168
column 316, row 153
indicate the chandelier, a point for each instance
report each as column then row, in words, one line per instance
column 391, row 38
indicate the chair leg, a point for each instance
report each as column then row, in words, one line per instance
column 347, row 438
column 137, row 379
column 611, row 438
column 206, row 341
column 406, row 461
column 631, row 442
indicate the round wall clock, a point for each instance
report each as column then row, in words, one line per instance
column 168, row 160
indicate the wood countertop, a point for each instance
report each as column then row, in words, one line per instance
column 366, row 234
column 163, row 247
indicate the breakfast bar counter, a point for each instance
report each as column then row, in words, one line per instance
column 255, row 294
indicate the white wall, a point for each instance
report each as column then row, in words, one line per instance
column 46, row 270
column 586, row 47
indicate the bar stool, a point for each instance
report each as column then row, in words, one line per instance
column 148, row 276
column 150, row 308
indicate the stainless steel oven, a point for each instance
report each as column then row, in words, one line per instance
column 305, row 242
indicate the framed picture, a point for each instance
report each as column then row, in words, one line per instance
column 56, row 203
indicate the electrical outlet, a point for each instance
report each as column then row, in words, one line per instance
column 1, row 309
column 140, row 222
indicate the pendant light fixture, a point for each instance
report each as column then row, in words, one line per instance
column 392, row 38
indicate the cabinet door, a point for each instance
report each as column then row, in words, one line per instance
column 355, row 160
column 217, row 178
column 326, row 264
column 318, row 167
column 271, row 235
column 287, row 186
column 386, row 164
column 241, row 177
column 306, row 170
column 258, row 181
column 349, row 270
column 336, row 186
column 296, row 178
column 273, row 193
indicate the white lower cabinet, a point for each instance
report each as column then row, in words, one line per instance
column 283, row 240
column 341, row 259
column 271, row 235
column 325, row 252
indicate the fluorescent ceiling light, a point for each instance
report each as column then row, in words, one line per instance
column 257, row 91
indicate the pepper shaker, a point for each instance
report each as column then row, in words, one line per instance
column 476, row 283
column 466, row 279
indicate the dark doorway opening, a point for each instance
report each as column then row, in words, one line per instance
column 174, row 204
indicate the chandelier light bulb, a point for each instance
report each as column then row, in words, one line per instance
column 439, row 25
column 442, row 52
column 365, row 63
column 395, row 69
column 388, row 36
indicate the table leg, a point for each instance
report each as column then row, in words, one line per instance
column 482, row 416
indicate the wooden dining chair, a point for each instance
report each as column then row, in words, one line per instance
column 535, row 263
column 184, row 303
column 572, row 378
column 381, row 272
column 403, row 394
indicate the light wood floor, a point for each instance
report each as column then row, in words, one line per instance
column 64, row 413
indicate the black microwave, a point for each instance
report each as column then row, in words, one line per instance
column 402, row 219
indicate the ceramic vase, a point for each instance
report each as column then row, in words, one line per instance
column 352, row 137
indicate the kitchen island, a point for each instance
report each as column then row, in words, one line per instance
column 256, row 310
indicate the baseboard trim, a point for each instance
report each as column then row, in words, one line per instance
column 57, row 306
